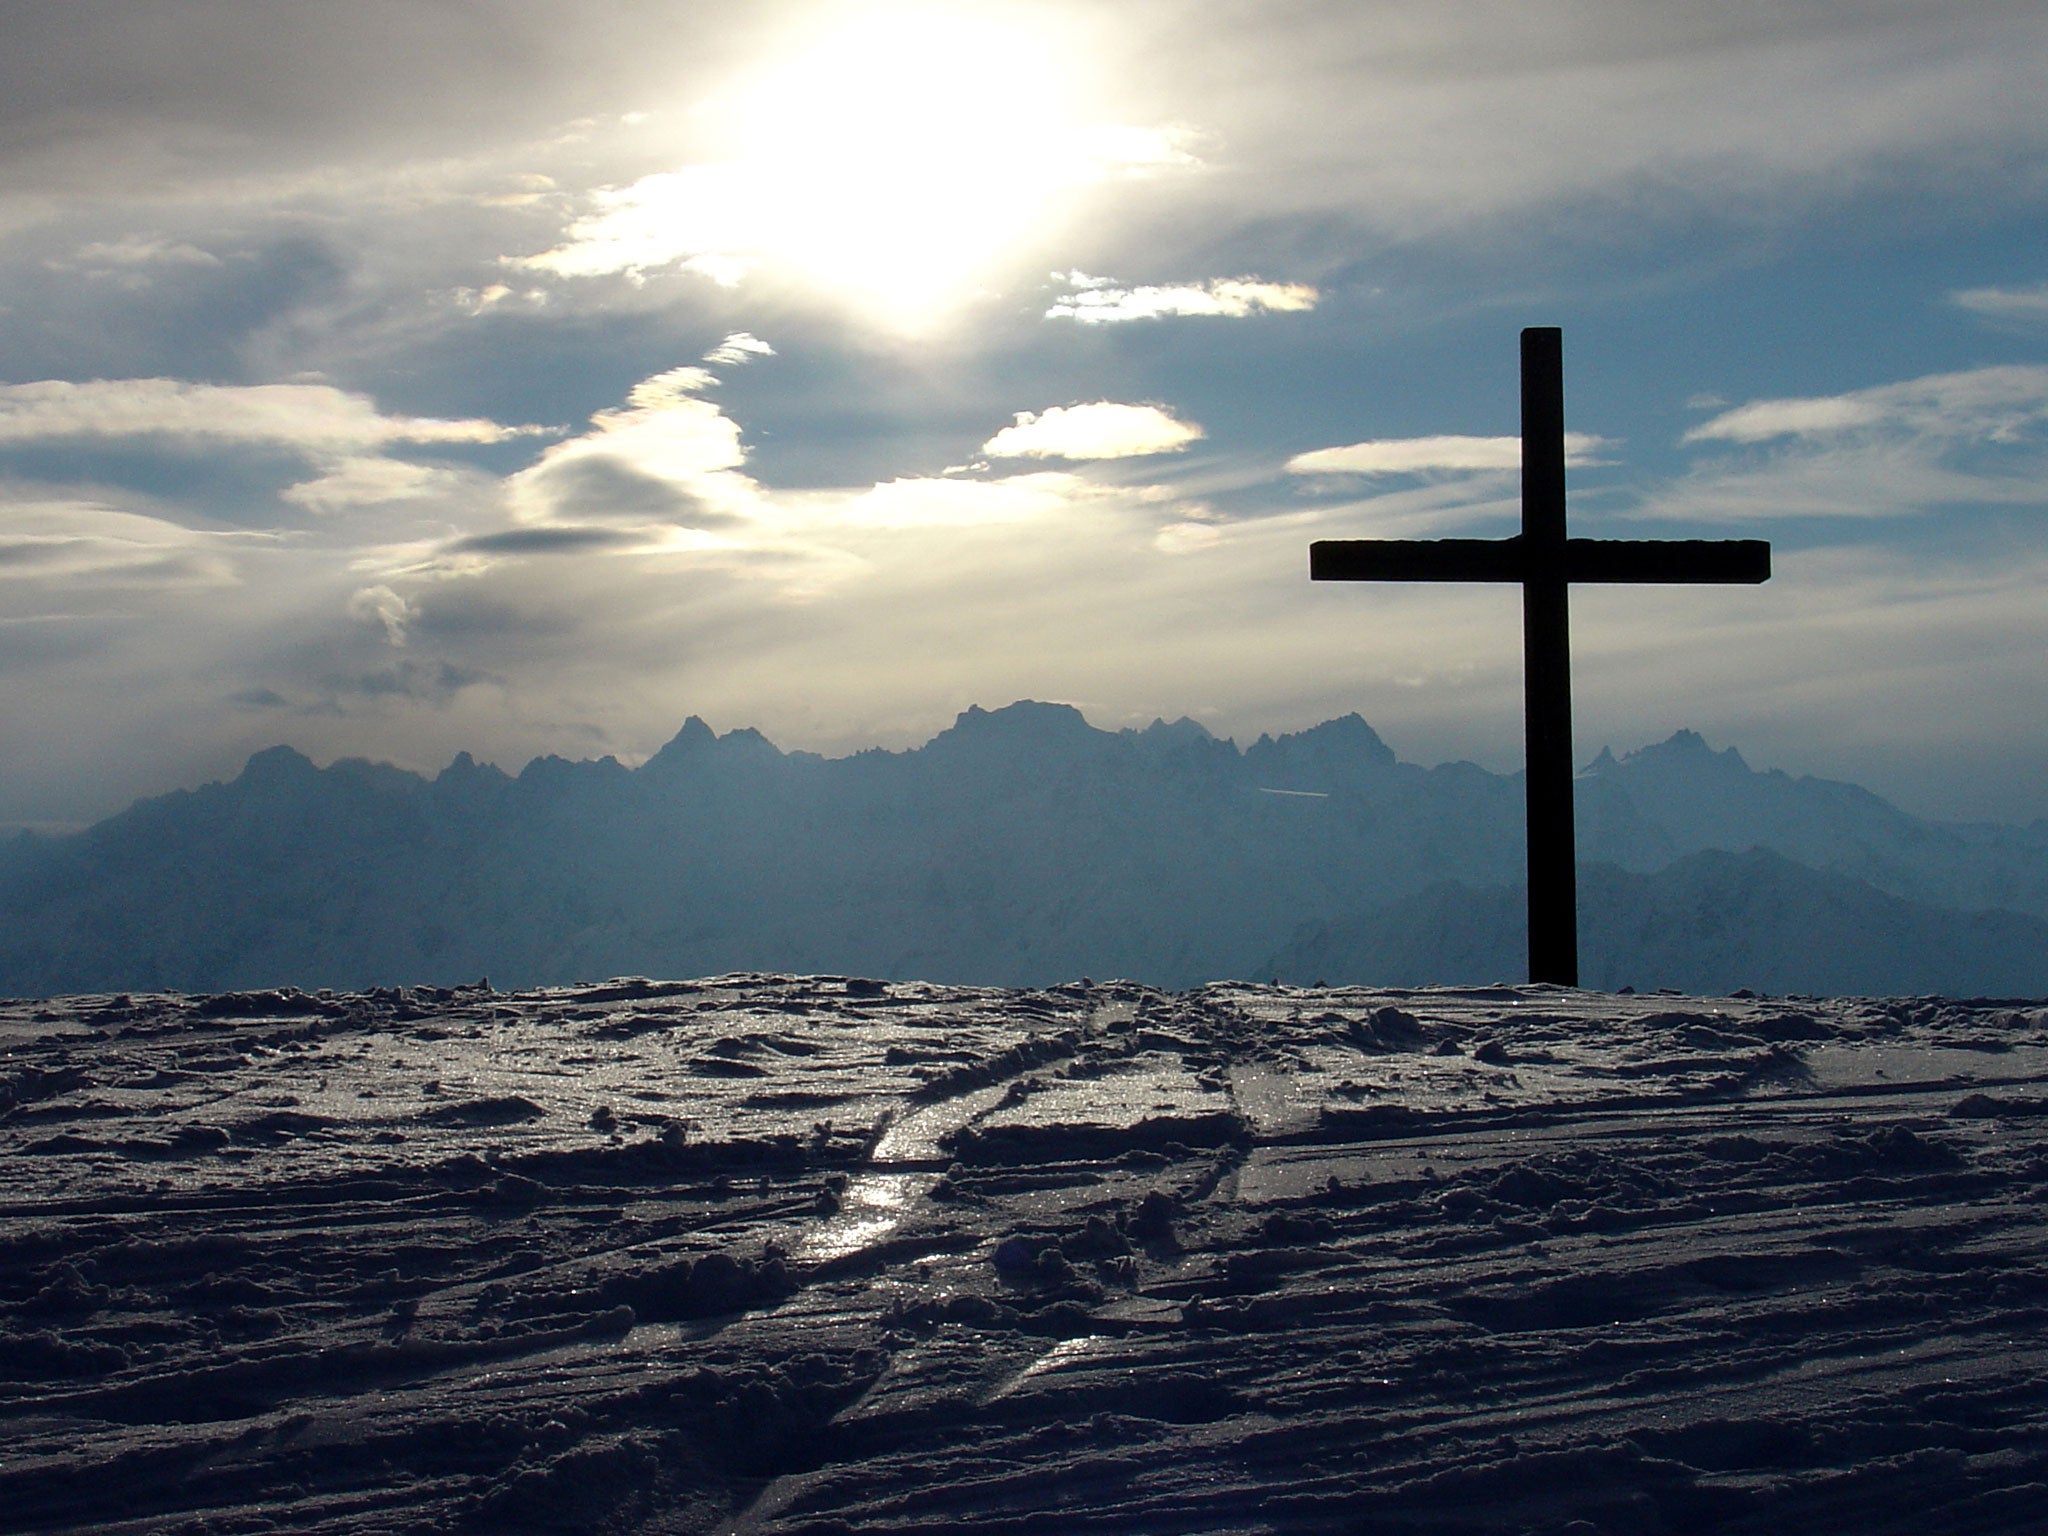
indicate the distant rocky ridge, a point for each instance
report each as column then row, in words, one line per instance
column 1021, row 846
column 1711, row 923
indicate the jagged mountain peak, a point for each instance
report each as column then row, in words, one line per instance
column 1684, row 749
column 554, row 770
column 1183, row 729
column 1322, row 755
column 465, row 769
column 695, row 737
column 1017, row 732
column 277, row 765
column 1347, row 733
column 1025, row 716
column 697, row 746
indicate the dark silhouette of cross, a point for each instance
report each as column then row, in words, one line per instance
column 1546, row 563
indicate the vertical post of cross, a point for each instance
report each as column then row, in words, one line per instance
column 1547, row 665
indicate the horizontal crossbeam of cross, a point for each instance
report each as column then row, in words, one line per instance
column 1585, row 560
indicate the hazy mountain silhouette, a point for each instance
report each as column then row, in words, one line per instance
column 1020, row 846
column 1713, row 922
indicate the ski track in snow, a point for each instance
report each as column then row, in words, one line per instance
column 760, row 1254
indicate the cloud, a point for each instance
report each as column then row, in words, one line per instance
column 60, row 545
column 337, row 432
column 217, row 94
column 432, row 683
column 307, row 417
column 899, row 159
column 472, row 300
column 380, row 605
column 1186, row 538
column 1137, row 152
column 1101, row 430
column 2026, row 305
column 600, row 484
column 699, row 217
column 959, row 503
column 739, row 347
column 1836, row 480
column 1950, row 439
column 1457, row 116
column 1443, row 113
column 1432, row 455
column 666, row 457
column 1098, row 301
column 135, row 252
column 558, row 540
column 360, row 481
column 667, row 389
column 1989, row 404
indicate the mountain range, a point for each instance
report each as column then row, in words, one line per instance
column 1021, row 846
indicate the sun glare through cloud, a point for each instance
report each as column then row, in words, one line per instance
column 904, row 151
column 899, row 158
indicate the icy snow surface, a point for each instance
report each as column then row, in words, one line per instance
column 773, row 1254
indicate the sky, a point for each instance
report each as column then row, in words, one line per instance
column 524, row 376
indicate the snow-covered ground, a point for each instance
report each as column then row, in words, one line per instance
column 773, row 1254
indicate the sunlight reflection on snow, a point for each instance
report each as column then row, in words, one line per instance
column 1064, row 1353
column 872, row 1207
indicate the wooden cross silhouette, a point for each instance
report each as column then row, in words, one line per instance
column 1546, row 563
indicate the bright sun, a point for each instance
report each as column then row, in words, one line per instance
column 906, row 150
column 898, row 156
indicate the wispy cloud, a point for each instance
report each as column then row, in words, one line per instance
column 667, row 457
column 700, row 219
column 381, row 606
column 1949, row 439
column 739, row 347
column 562, row 539
column 68, row 543
column 135, row 252
column 1990, row 404
column 1847, row 479
column 883, row 169
column 2026, row 305
column 336, row 432
column 360, row 480
column 433, row 684
column 957, row 503
column 1453, row 116
column 674, row 387
column 1102, row 429
column 305, row 416
column 1433, row 455
column 1102, row 301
